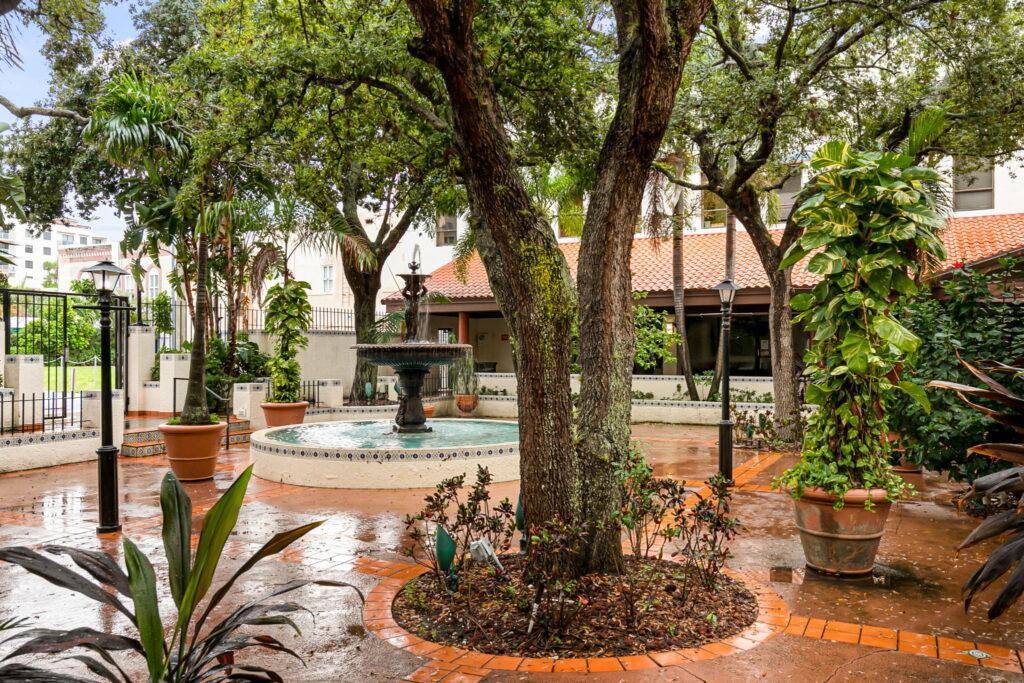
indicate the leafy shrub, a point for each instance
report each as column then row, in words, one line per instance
column 462, row 375
column 866, row 252
column 193, row 653
column 287, row 318
column 552, row 559
column 464, row 521
column 978, row 315
column 703, row 532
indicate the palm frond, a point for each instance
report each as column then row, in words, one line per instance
column 463, row 253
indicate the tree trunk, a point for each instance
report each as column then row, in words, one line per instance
column 653, row 45
column 683, row 365
column 195, row 410
column 780, row 323
column 364, row 286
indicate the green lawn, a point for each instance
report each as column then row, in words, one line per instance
column 80, row 377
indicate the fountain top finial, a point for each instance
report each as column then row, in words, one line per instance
column 414, row 264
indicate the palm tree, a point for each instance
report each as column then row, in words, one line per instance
column 135, row 124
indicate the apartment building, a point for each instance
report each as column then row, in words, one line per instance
column 36, row 253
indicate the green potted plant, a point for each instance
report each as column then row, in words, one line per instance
column 288, row 317
column 870, row 224
column 464, row 383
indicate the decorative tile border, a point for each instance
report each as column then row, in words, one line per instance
column 656, row 378
column 47, row 437
column 175, row 356
column 383, row 456
column 772, row 617
column 27, row 359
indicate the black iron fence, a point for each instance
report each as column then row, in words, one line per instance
column 177, row 328
column 36, row 413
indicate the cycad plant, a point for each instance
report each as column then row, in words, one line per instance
column 198, row 649
column 1006, row 407
column 871, row 224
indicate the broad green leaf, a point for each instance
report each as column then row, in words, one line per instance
column 814, row 239
column 916, row 392
column 217, row 526
column 825, row 263
column 177, row 533
column 802, row 301
column 855, row 349
column 833, row 153
column 897, row 335
column 794, row 255
column 815, row 394
column 445, row 548
column 142, row 579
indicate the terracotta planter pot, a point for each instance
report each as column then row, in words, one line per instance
column 192, row 449
column 907, row 467
column 428, row 410
column 844, row 541
column 283, row 414
column 467, row 403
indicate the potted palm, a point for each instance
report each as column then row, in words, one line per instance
column 464, row 384
column 871, row 222
column 288, row 317
column 135, row 124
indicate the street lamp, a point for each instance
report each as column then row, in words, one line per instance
column 106, row 276
column 727, row 293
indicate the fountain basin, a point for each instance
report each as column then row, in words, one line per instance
column 371, row 455
column 414, row 355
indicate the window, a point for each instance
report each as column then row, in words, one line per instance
column 47, row 235
column 787, row 195
column 83, row 240
column 66, row 238
column 97, row 240
column 328, row 279
column 46, row 251
column 154, row 284
column 973, row 186
column 447, row 231
column 28, row 265
column 28, row 248
column 713, row 210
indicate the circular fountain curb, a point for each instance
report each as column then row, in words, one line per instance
column 375, row 468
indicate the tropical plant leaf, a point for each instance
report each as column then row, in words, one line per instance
column 99, row 565
column 20, row 673
column 1010, row 452
column 995, row 566
column 151, row 629
column 993, row 526
column 177, row 534
column 59, row 575
column 96, row 668
column 275, row 545
column 1011, row 592
column 54, row 641
column 217, row 526
column 916, row 392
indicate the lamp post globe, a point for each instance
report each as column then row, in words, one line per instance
column 106, row 276
column 727, row 294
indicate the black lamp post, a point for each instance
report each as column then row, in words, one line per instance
column 726, row 292
column 106, row 276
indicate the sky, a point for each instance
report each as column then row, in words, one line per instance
column 30, row 85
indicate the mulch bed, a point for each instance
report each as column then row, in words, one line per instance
column 490, row 615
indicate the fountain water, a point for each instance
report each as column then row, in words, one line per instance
column 412, row 357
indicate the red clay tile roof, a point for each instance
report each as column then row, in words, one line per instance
column 968, row 240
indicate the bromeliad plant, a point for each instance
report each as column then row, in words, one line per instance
column 288, row 318
column 1007, row 408
column 870, row 226
column 199, row 650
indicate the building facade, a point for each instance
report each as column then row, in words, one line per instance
column 36, row 253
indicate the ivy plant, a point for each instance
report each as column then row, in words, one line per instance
column 871, row 219
column 288, row 317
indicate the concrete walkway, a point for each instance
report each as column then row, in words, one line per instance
column 906, row 623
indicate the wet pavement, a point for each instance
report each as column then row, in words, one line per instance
column 916, row 586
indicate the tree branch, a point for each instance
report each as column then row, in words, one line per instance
column 727, row 47
column 52, row 112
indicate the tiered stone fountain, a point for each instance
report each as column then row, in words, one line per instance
column 406, row 453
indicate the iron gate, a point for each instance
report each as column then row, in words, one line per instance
column 48, row 324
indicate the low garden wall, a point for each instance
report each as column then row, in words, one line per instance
column 659, row 387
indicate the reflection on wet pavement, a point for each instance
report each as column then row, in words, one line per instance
column 915, row 586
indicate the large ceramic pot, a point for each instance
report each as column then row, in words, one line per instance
column 467, row 403
column 428, row 410
column 192, row 449
column 843, row 541
column 283, row 414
